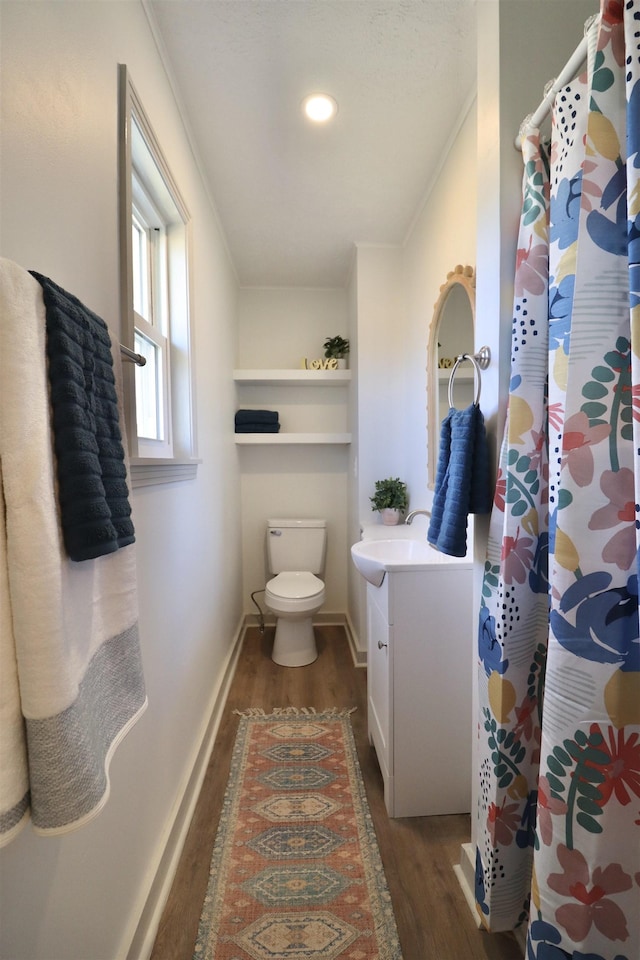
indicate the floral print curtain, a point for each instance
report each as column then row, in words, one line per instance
column 559, row 633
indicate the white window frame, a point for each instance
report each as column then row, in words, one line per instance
column 152, row 322
column 149, row 194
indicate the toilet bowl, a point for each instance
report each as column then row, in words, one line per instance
column 294, row 597
column 295, row 553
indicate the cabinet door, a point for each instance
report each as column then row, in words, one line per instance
column 433, row 658
column 378, row 682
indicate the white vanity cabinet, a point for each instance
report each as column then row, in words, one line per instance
column 419, row 678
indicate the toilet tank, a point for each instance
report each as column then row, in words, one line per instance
column 296, row 545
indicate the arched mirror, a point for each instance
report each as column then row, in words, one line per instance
column 451, row 334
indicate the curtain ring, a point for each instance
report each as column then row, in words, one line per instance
column 476, row 376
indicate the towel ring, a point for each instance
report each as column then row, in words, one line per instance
column 480, row 362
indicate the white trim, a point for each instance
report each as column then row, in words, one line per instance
column 164, row 188
column 357, row 652
column 176, row 455
column 521, row 939
column 140, row 937
column 358, row 655
column 149, row 471
column 465, row 872
column 444, row 158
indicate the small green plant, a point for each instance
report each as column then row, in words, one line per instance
column 391, row 494
column 336, row 347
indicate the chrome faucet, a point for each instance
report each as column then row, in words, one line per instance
column 414, row 513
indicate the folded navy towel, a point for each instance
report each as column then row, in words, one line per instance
column 95, row 514
column 462, row 480
column 257, row 427
column 256, row 416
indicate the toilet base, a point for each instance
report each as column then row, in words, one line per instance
column 294, row 644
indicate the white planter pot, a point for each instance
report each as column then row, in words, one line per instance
column 390, row 516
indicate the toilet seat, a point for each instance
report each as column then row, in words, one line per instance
column 299, row 585
column 294, row 594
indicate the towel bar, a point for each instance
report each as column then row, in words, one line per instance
column 130, row 355
column 480, row 361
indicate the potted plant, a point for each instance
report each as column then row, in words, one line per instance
column 336, row 348
column 390, row 499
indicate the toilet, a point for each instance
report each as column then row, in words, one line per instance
column 295, row 553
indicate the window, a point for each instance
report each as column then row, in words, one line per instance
column 154, row 234
column 151, row 321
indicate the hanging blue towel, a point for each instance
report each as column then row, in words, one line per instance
column 93, row 494
column 462, row 480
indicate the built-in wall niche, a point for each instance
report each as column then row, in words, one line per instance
column 451, row 334
column 312, row 405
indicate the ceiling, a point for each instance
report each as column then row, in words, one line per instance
column 292, row 197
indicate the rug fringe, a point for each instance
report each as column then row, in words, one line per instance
column 296, row 712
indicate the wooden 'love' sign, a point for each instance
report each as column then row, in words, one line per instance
column 330, row 364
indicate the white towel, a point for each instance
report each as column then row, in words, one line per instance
column 70, row 667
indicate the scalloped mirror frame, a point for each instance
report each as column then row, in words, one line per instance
column 465, row 277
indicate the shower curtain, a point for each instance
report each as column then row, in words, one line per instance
column 559, row 635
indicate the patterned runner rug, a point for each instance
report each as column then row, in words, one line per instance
column 296, row 871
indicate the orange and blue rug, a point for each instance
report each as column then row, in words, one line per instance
column 296, row 872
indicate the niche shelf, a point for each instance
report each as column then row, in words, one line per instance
column 246, row 439
column 292, row 378
column 445, row 374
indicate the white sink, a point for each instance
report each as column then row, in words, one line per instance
column 373, row 558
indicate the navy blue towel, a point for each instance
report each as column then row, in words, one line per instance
column 95, row 514
column 462, row 480
column 257, row 427
column 256, row 416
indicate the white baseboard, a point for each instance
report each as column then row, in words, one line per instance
column 139, row 941
column 342, row 619
column 465, row 871
column 521, row 937
column 359, row 655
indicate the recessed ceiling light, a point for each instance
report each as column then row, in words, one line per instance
column 320, row 107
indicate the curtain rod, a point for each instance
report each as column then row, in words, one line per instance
column 570, row 70
column 130, row 355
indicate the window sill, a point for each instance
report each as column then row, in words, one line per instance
column 145, row 471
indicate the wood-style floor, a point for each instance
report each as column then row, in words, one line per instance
column 434, row 921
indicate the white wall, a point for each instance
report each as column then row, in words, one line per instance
column 278, row 328
column 376, row 319
column 443, row 236
column 356, row 585
column 382, row 360
column 80, row 896
column 395, row 289
column 302, row 482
